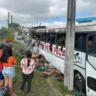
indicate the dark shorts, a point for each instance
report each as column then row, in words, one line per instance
column 1, row 76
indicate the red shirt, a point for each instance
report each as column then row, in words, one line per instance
column 1, row 64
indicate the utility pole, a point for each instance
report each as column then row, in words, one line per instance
column 8, row 18
column 11, row 20
column 70, row 36
column 37, row 21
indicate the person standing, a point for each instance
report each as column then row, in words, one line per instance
column 1, row 66
column 28, row 66
column 8, row 71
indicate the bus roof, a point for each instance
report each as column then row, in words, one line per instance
column 82, row 27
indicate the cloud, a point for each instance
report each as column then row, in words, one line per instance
column 86, row 6
column 27, row 11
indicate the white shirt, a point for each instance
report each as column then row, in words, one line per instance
column 24, row 65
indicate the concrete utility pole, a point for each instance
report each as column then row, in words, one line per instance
column 8, row 18
column 37, row 20
column 70, row 36
column 11, row 20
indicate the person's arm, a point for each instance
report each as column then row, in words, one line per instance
column 14, row 61
column 22, row 63
column 33, row 65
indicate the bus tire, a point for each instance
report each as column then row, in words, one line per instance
column 79, row 82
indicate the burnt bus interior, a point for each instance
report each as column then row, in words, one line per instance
column 59, row 38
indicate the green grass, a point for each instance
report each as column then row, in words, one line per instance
column 17, row 45
column 40, row 85
column 60, row 86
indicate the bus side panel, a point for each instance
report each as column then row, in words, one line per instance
column 57, row 61
column 41, row 49
column 48, row 53
column 80, row 62
column 90, row 80
column 60, row 64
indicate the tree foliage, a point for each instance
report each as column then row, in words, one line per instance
column 8, row 32
column 15, row 26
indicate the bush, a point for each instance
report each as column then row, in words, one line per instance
column 8, row 32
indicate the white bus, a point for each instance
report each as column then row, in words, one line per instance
column 52, row 46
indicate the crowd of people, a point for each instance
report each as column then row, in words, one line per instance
column 7, row 68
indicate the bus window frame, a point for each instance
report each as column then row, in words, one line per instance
column 90, row 34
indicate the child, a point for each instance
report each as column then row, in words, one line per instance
column 1, row 66
column 28, row 66
column 8, row 68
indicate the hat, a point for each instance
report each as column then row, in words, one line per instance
column 1, row 45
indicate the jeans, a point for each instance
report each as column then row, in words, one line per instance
column 27, row 78
column 9, row 71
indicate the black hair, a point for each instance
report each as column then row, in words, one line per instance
column 1, row 46
column 28, row 55
column 6, row 53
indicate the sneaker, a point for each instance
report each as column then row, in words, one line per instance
column 3, row 91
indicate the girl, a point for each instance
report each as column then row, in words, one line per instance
column 1, row 66
column 28, row 66
column 8, row 68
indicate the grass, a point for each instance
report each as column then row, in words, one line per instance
column 60, row 86
column 40, row 86
column 17, row 45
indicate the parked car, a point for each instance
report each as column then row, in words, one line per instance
column 20, row 38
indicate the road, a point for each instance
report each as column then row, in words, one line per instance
column 27, row 47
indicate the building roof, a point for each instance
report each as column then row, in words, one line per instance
column 82, row 20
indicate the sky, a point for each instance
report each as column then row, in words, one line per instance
column 51, row 13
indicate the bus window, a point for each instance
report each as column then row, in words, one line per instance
column 60, row 40
column 51, row 38
column 92, row 50
column 62, row 43
column 80, row 42
column 43, row 37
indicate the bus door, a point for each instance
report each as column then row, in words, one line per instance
column 91, row 65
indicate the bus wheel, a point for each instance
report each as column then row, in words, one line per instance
column 79, row 82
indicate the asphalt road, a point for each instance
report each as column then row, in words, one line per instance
column 22, row 42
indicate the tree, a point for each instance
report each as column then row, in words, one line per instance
column 15, row 26
column 8, row 32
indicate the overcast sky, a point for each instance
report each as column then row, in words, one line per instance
column 26, row 12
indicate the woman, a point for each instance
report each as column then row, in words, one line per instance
column 8, row 72
column 1, row 66
column 28, row 66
